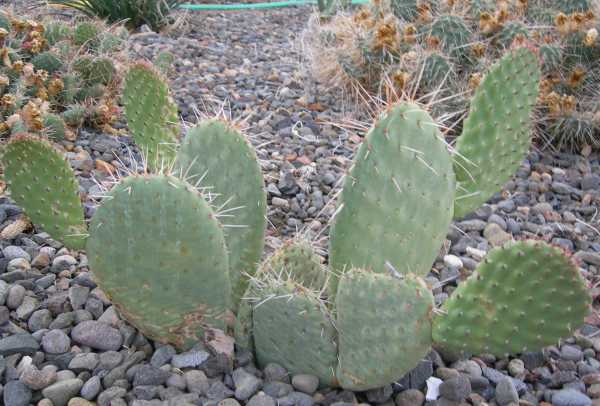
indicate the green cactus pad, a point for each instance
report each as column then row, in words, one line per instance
column 170, row 281
column 47, row 61
column 42, row 182
column 54, row 126
column 218, row 155
column 404, row 9
column 55, row 32
column 293, row 328
column 397, row 198
column 384, row 327
column 454, row 34
column 496, row 134
column 523, row 297
column 151, row 115
column 572, row 6
column 298, row 260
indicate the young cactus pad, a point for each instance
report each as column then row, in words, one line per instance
column 384, row 327
column 42, row 182
column 396, row 204
column 219, row 157
column 151, row 115
column 161, row 279
column 523, row 297
column 293, row 328
column 495, row 137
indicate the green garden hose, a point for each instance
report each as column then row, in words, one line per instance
column 254, row 6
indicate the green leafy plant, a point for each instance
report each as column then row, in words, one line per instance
column 154, row 13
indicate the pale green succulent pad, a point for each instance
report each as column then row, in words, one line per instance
column 496, row 134
column 151, row 115
column 396, row 204
column 384, row 327
column 218, row 156
column 523, row 297
column 160, row 276
column 41, row 181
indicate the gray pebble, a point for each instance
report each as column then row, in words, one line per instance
column 84, row 362
column 60, row 392
column 15, row 297
column 99, row 336
column 56, row 342
column 189, row 359
column 196, row 381
column 506, row 392
column 410, row 397
column 261, row 399
column 19, row 343
column 570, row 397
column 63, row 263
column 78, row 295
column 11, row 252
column 91, row 388
column 105, row 398
column 16, row 394
column 245, row 383
column 305, row 383
column 150, row 375
column 110, row 359
column 571, row 353
column 275, row 372
column 456, row 389
column 36, row 379
column 162, row 356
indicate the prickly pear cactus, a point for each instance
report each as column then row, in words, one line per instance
column 151, row 115
column 42, row 182
column 384, row 327
column 86, row 34
column 295, row 260
column 495, row 137
column 219, row 156
column 293, row 327
column 437, row 71
column 523, row 297
column 404, row 9
column 398, row 195
column 171, row 280
column 74, row 115
column 551, row 57
column 510, row 31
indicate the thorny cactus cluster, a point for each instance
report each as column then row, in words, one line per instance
column 55, row 77
column 176, row 259
column 439, row 49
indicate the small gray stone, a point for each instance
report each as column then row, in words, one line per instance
column 78, row 295
column 305, row 383
column 18, row 343
column 18, row 264
column 506, row 393
column 150, row 375
column 97, row 335
column 261, row 399
column 516, row 368
column 571, row 353
column 26, row 308
column 456, row 389
column 228, row 402
column 16, row 394
column 410, row 397
column 110, row 317
column 146, row 392
column 570, row 397
column 245, row 383
column 15, row 297
column 36, row 379
column 277, row 389
column 4, row 314
column 177, row 381
column 91, row 388
column 56, row 342
column 11, row 252
column 105, row 398
column 189, row 359
column 110, row 359
column 60, row 392
column 63, row 263
column 275, row 372
column 84, row 362
column 162, row 356
column 196, row 382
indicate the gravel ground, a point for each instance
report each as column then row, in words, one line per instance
column 64, row 344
